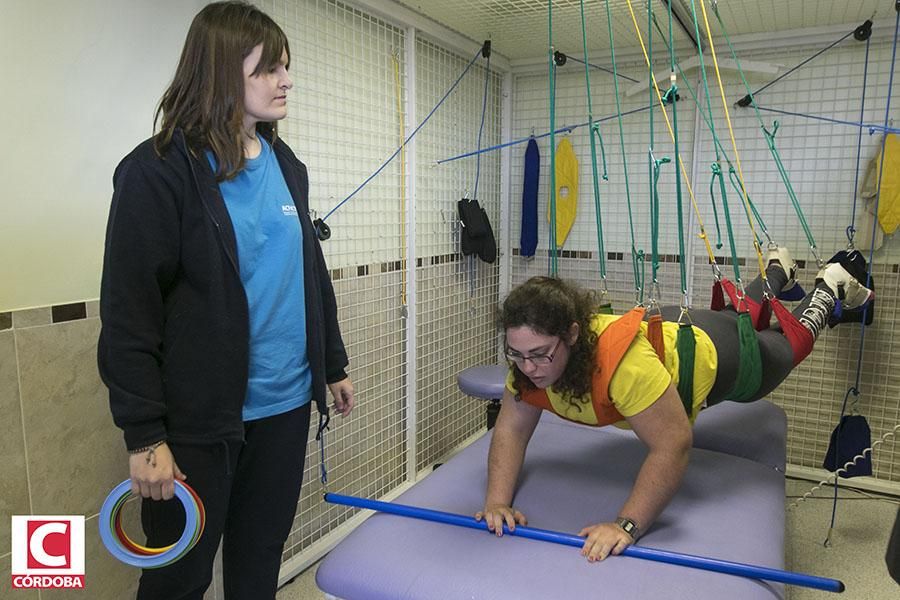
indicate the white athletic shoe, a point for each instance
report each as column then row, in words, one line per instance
column 780, row 255
column 846, row 288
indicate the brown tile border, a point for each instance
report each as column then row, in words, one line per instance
column 68, row 312
column 48, row 315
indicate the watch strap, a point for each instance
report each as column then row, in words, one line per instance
column 628, row 526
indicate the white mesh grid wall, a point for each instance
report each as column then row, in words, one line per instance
column 344, row 123
column 456, row 296
column 347, row 118
column 531, row 113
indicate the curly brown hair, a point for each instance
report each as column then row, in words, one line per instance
column 549, row 306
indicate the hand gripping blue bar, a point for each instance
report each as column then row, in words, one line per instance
column 567, row 539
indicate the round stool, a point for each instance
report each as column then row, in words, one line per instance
column 486, row 383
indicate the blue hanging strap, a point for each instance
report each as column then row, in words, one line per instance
column 486, row 50
column 851, row 229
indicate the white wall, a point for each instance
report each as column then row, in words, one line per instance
column 80, row 83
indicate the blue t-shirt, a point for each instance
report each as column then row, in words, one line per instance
column 270, row 255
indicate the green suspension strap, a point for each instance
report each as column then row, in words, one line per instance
column 605, row 305
column 770, row 142
column 686, row 346
column 716, row 175
column 637, row 255
column 736, row 184
column 749, row 376
column 554, row 268
column 656, row 166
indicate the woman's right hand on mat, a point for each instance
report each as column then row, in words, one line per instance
column 495, row 515
column 153, row 473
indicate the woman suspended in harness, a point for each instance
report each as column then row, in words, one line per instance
column 600, row 369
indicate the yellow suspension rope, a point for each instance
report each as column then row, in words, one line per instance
column 737, row 156
column 396, row 59
column 702, row 235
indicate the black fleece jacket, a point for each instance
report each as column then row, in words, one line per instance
column 174, row 343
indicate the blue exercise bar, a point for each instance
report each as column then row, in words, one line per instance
column 566, row 539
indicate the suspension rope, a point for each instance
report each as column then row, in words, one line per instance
column 672, row 93
column 717, row 166
column 871, row 127
column 851, row 230
column 737, row 157
column 637, row 256
column 862, row 328
column 769, row 136
column 661, row 102
column 736, row 184
column 654, row 169
column 595, row 129
column 487, row 80
column 553, row 268
column 746, row 100
column 720, row 153
column 406, row 141
column 401, row 132
column 566, row 129
column 599, row 68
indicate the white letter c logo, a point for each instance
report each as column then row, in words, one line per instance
column 36, row 545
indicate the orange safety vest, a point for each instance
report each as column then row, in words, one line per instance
column 611, row 347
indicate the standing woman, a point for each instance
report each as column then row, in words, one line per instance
column 219, row 318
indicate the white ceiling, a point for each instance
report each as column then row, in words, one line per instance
column 518, row 28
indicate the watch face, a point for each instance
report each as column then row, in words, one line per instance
column 627, row 525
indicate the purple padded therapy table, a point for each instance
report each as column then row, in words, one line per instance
column 730, row 506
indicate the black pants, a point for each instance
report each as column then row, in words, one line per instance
column 250, row 492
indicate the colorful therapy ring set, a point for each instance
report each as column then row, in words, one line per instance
column 131, row 553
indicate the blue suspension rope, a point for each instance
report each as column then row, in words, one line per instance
column 487, row 79
column 872, row 128
column 851, row 230
column 568, row 129
column 406, row 141
column 862, row 328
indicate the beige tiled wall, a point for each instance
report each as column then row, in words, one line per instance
column 61, row 452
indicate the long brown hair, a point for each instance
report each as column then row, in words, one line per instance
column 549, row 306
column 206, row 97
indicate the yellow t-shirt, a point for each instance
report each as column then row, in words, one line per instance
column 640, row 379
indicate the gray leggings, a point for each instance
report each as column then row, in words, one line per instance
column 721, row 327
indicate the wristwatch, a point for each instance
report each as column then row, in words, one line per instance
column 628, row 526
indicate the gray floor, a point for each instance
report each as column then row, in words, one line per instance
column 856, row 554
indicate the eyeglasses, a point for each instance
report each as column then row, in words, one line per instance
column 536, row 359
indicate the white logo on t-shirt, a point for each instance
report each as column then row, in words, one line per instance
column 289, row 210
